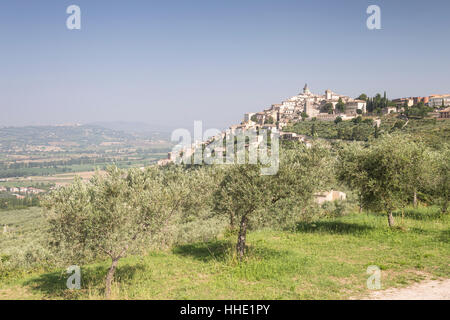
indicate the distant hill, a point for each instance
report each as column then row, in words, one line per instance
column 77, row 135
column 49, row 150
column 136, row 127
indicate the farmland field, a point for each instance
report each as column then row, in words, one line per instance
column 53, row 155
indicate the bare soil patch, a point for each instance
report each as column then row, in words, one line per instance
column 425, row 290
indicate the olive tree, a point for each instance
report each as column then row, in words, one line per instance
column 443, row 185
column 244, row 193
column 114, row 212
column 350, row 170
column 440, row 178
column 419, row 169
column 384, row 173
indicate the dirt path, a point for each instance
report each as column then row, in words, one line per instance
column 426, row 290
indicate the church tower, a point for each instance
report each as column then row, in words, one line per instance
column 306, row 89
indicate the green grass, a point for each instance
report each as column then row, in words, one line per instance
column 23, row 227
column 22, row 246
column 327, row 259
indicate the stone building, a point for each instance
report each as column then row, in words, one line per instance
column 436, row 101
column 444, row 114
column 330, row 196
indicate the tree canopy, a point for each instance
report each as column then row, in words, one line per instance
column 113, row 212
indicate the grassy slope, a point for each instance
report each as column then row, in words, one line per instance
column 24, row 228
column 324, row 260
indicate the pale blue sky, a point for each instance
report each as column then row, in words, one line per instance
column 173, row 62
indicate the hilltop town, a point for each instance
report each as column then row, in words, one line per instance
column 327, row 107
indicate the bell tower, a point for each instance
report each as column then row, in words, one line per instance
column 306, row 89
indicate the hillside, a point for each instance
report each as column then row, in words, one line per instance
column 326, row 259
column 433, row 132
column 69, row 137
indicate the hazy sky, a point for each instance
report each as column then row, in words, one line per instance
column 173, row 62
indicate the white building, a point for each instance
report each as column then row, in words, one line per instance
column 437, row 100
column 330, row 196
column 351, row 107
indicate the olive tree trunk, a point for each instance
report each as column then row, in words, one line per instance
column 415, row 199
column 360, row 203
column 242, row 237
column 445, row 206
column 110, row 277
column 232, row 224
column 390, row 219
